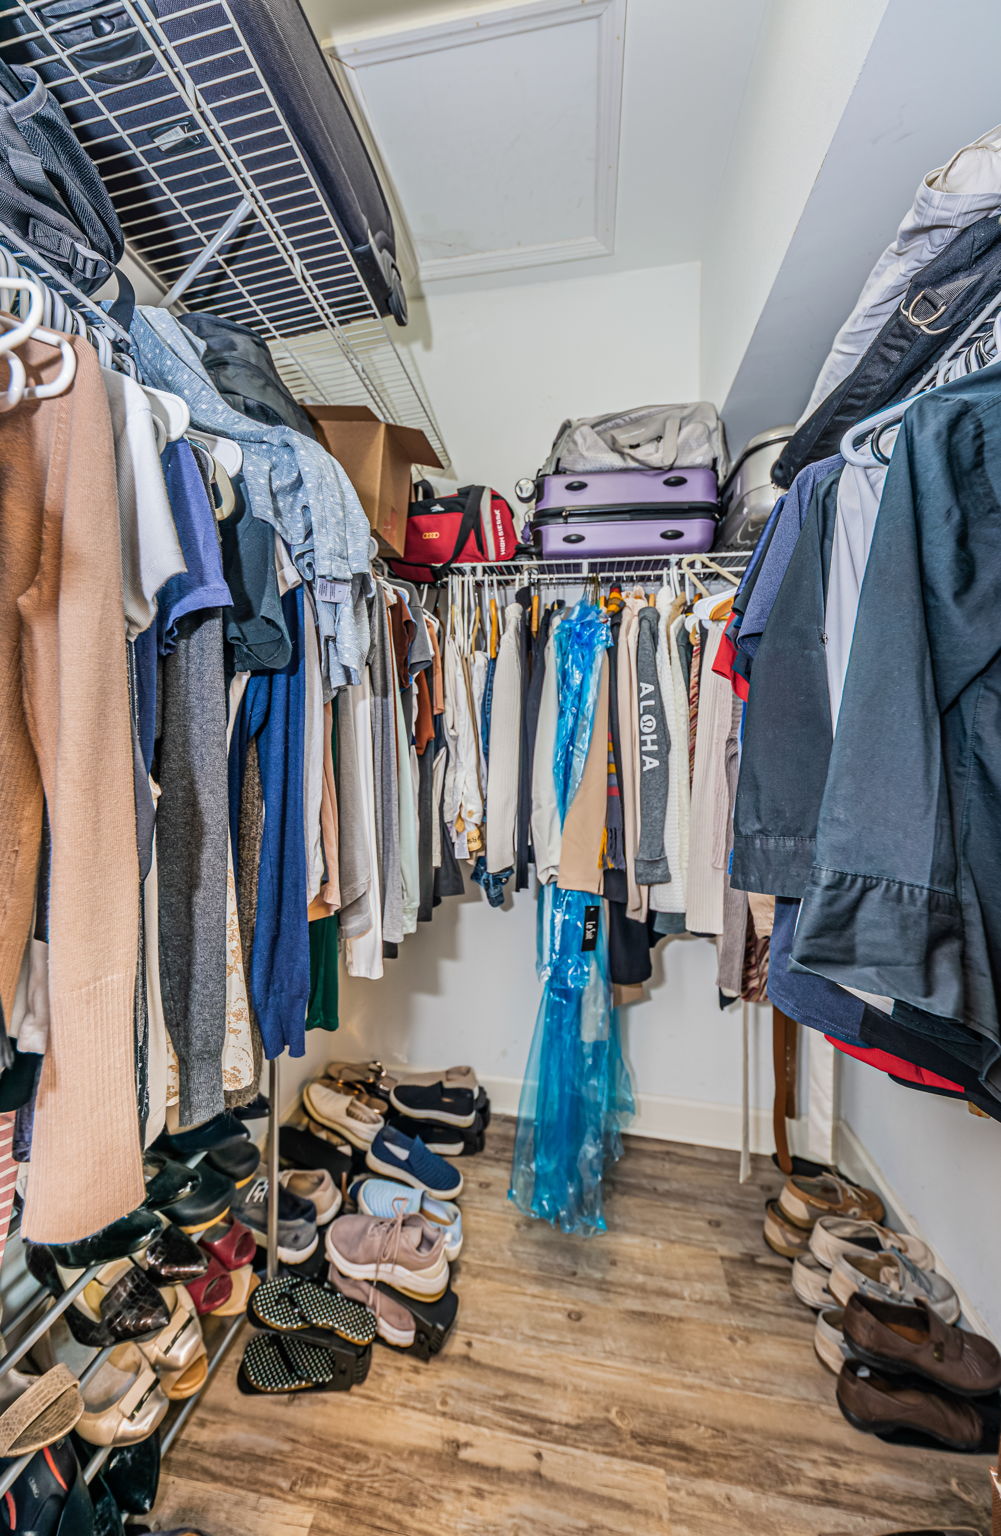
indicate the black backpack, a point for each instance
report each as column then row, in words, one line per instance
column 51, row 195
column 242, row 369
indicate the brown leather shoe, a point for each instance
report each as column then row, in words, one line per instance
column 896, row 1339
column 803, row 1201
column 882, row 1405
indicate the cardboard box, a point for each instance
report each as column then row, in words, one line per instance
column 378, row 459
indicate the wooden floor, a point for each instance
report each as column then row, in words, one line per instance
column 658, row 1379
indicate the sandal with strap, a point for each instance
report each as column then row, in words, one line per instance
column 37, row 1409
column 278, row 1364
column 244, row 1281
column 231, row 1243
column 211, row 1290
column 288, row 1304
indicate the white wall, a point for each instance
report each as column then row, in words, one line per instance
column 465, row 990
column 940, row 1169
column 504, row 366
column 887, row 139
column 806, row 61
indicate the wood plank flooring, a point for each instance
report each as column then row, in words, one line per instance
column 656, row 1381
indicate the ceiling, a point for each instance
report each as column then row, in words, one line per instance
column 559, row 136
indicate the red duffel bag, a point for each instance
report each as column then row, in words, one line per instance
column 473, row 526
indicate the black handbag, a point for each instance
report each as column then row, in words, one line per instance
column 102, row 39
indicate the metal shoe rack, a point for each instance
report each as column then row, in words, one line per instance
column 35, row 1319
column 253, row 239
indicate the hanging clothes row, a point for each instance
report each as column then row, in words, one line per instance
column 862, row 641
column 167, row 765
column 596, row 742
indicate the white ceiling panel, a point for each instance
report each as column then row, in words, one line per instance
column 501, row 132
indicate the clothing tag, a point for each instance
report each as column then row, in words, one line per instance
column 590, row 940
column 332, row 591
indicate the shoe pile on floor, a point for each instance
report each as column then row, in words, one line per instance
column 886, row 1320
column 367, row 1165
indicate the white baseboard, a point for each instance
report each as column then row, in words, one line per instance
column 666, row 1119
column 861, row 1167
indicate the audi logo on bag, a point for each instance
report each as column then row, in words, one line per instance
column 434, row 534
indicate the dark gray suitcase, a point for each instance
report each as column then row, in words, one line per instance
column 135, row 94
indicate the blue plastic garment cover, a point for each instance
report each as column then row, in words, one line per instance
column 576, row 1092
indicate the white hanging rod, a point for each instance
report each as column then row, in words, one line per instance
column 626, row 569
column 205, row 255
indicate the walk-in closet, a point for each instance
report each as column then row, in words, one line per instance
column 500, row 768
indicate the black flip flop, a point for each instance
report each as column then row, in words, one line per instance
column 277, row 1365
column 289, row 1304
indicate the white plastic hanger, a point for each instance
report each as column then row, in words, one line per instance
column 170, row 413
column 17, row 381
column 223, row 450
column 20, row 332
column 67, row 371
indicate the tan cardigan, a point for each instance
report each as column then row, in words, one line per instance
column 65, row 729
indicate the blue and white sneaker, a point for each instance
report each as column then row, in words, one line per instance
column 386, row 1198
column 398, row 1157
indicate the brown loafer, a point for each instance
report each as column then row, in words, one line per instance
column 896, row 1338
column 803, row 1201
column 882, row 1405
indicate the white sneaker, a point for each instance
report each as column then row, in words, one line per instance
column 892, row 1277
column 343, row 1113
column 835, row 1236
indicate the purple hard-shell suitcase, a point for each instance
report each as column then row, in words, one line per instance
column 620, row 535
column 617, row 513
column 628, row 490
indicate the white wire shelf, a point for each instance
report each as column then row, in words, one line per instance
column 632, row 568
column 216, row 139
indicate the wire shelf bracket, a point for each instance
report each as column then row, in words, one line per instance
column 220, row 204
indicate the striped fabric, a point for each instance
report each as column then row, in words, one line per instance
column 8, row 1175
column 693, row 701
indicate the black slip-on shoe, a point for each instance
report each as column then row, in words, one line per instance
column 117, row 1241
column 238, row 1159
column 201, row 1138
column 166, row 1180
column 209, row 1200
